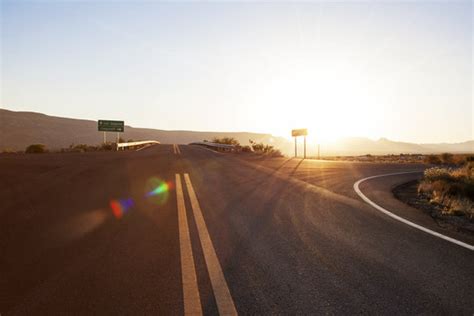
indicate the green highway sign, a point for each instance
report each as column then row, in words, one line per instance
column 111, row 126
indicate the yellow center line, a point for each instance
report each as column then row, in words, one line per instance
column 192, row 300
column 174, row 149
column 178, row 149
column 225, row 304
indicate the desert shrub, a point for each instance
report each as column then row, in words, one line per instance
column 432, row 159
column 81, row 148
column 258, row 147
column 7, row 151
column 261, row 148
column 451, row 188
column 246, row 149
column 436, row 173
column 75, row 148
column 35, row 149
column 226, row 141
column 107, row 146
column 469, row 159
column 275, row 153
column 447, row 158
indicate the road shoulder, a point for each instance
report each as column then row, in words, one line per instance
column 379, row 191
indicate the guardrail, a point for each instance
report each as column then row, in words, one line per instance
column 131, row 144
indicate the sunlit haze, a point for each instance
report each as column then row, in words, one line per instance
column 401, row 70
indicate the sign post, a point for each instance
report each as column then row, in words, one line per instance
column 299, row 132
column 296, row 148
column 304, row 157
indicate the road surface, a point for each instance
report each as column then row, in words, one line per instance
column 174, row 229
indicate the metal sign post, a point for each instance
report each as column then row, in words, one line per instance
column 299, row 132
column 304, row 147
column 296, row 148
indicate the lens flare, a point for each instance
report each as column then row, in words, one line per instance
column 121, row 206
column 157, row 191
column 162, row 188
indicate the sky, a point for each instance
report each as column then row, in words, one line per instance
column 400, row 70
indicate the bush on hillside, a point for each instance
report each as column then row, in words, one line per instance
column 82, row 148
column 35, row 149
column 226, row 141
column 108, row 146
column 246, row 149
column 261, row 148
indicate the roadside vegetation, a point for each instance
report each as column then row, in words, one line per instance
column 441, row 159
column 261, row 148
column 253, row 147
column 36, row 149
column 10, row 151
column 73, row 148
column 450, row 188
column 226, row 141
column 80, row 148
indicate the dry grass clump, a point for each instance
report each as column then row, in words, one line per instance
column 453, row 189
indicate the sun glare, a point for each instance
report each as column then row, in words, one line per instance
column 330, row 105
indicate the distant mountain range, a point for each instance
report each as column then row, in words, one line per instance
column 20, row 129
column 361, row 146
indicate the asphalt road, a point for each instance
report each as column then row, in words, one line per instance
column 172, row 229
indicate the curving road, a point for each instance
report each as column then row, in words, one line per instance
column 174, row 229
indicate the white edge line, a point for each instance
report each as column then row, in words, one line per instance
column 398, row 218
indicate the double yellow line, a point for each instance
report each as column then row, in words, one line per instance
column 176, row 149
column 192, row 301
